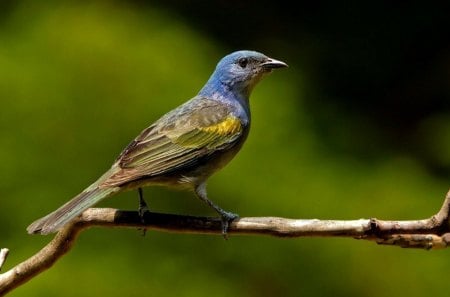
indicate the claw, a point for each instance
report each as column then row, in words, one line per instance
column 142, row 210
column 227, row 218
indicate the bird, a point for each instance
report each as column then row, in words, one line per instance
column 184, row 147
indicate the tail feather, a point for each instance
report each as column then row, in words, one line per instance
column 57, row 219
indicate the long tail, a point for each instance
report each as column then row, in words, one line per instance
column 57, row 219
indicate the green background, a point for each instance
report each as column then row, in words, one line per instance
column 79, row 80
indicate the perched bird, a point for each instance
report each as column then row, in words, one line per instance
column 184, row 147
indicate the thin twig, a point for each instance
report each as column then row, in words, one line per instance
column 432, row 233
column 3, row 255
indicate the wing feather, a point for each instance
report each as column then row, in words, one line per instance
column 178, row 140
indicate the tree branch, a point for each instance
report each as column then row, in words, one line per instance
column 3, row 255
column 431, row 233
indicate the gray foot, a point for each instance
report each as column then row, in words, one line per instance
column 142, row 210
column 227, row 218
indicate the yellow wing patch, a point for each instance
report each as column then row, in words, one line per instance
column 212, row 136
column 230, row 126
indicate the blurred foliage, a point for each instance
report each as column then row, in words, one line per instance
column 375, row 71
column 79, row 80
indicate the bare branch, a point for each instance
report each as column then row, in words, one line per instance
column 3, row 255
column 432, row 233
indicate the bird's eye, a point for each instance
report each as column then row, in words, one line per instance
column 243, row 62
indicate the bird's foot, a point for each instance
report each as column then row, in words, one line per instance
column 142, row 210
column 227, row 218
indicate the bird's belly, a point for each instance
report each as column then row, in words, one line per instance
column 205, row 167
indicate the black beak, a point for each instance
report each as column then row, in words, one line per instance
column 272, row 64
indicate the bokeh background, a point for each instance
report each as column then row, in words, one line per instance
column 357, row 127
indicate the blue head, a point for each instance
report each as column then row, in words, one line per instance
column 239, row 72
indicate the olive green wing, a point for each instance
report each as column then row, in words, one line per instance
column 178, row 140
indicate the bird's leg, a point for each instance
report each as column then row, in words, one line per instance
column 143, row 208
column 227, row 217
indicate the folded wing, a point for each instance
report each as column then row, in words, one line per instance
column 178, row 140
